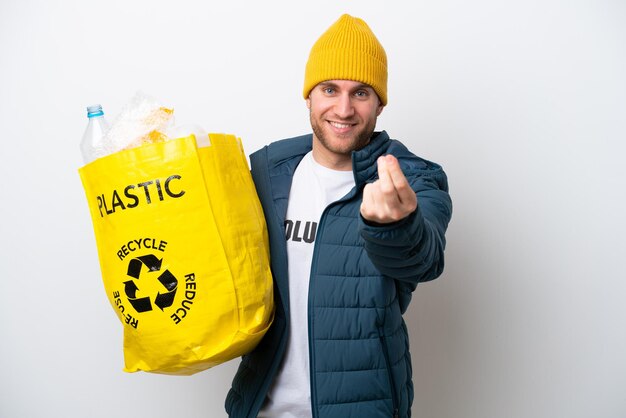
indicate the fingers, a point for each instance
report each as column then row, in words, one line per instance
column 392, row 167
column 401, row 185
column 391, row 175
column 385, row 176
column 390, row 198
column 368, row 196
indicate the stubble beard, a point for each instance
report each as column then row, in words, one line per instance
column 349, row 142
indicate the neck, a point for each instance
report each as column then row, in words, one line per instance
column 328, row 159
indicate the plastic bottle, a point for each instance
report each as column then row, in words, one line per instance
column 91, row 145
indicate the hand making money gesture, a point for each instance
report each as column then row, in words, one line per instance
column 390, row 198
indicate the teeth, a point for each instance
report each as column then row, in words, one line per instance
column 340, row 125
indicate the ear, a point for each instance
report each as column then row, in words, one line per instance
column 380, row 108
column 308, row 102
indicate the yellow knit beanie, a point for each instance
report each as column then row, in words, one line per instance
column 348, row 50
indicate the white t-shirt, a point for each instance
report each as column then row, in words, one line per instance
column 313, row 188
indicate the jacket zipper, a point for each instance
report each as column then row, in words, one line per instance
column 392, row 386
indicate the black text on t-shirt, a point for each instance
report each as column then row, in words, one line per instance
column 300, row 231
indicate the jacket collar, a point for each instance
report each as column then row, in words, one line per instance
column 364, row 160
column 364, row 167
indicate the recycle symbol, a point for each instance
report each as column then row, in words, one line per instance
column 167, row 279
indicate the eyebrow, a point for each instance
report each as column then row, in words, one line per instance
column 357, row 87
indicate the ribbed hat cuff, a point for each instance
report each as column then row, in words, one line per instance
column 346, row 64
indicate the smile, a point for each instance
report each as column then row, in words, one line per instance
column 341, row 125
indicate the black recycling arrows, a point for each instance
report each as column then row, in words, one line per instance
column 151, row 261
column 167, row 279
column 164, row 300
column 140, row 304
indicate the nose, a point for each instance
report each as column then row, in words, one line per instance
column 343, row 107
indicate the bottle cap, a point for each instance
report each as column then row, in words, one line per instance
column 94, row 110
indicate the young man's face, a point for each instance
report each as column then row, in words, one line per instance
column 343, row 117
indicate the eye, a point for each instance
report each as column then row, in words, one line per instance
column 328, row 90
column 361, row 93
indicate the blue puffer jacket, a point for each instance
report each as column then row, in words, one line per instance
column 361, row 281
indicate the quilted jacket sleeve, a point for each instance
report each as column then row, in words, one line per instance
column 411, row 250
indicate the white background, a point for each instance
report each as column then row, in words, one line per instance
column 523, row 103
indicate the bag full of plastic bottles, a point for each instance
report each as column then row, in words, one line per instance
column 181, row 239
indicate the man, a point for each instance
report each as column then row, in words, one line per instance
column 355, row 221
